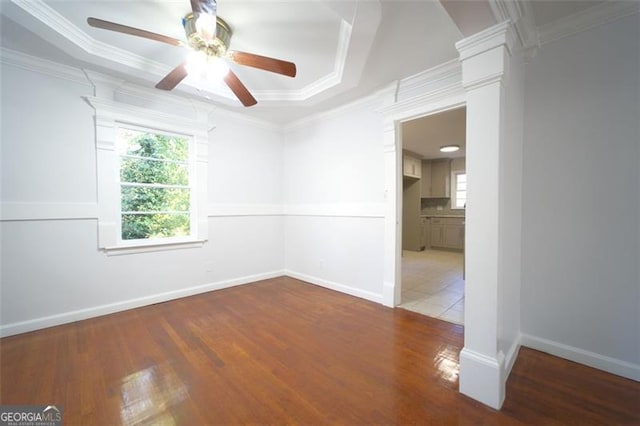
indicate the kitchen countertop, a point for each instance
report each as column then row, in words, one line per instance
column 443, row 215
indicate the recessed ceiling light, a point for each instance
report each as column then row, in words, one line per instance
column 449, row 148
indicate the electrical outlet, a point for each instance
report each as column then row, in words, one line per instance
column 321, row 264
column 208, row 266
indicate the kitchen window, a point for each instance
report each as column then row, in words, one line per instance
column 460, row 190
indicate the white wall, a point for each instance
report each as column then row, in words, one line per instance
column 581, row 288
column 52, row 270
column 333, row 195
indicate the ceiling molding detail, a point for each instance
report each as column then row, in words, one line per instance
column 42, row 66
column 520, row 14
column 370, row 101
column 328, row 81
column 590, row 18
column 190, row 105
column 62, row 26
column 430, row 80
column 428, row 87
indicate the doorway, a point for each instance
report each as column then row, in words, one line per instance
column 433, row 215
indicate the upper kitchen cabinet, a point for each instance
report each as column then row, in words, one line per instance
column 411, row 166
column 436, row 178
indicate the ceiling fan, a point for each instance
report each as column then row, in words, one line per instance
column 208, row 37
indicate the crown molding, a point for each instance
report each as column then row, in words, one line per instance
column 371, row 101
column 61, row 25
column 430, row 80
column 520, row 14
column 42, row 66
column 587, row 19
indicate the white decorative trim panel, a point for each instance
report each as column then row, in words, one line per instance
column 373, row 210
column 19, row 211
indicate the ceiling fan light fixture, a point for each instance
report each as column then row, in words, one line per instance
column 204, row 67
column 199, row 32
column 217, row 69
column 206, row 27
column 449, row 148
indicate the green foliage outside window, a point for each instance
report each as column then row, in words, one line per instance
column 154, row 175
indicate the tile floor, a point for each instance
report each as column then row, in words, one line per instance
column 432, row 284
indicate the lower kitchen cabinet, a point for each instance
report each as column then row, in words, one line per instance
column 447, row 232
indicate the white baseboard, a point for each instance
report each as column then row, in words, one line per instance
column 81, row 314
column 363, row 294
column 581, row 356
column 481, row 378
column 389, row 297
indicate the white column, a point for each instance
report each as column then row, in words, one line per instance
column 484, row 58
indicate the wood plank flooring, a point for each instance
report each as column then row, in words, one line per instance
column 282, row 351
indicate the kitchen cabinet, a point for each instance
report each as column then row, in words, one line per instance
column 411, row 166
column 447, row 232
column 436, row 176
column 411, row 232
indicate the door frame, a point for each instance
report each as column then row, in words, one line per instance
column 394, row 116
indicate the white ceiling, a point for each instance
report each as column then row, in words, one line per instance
column 426, row 135
column 343, row 49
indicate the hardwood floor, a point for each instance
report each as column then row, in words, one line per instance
column 285, row 352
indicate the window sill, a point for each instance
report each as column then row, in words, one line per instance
column 152, row 247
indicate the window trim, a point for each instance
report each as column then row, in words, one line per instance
column 109, row 115
column 454, row 188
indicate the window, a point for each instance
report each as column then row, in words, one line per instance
column 152, row 178
column 460, row 189
column 155, row 190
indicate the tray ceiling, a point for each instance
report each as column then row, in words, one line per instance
column 343, row 49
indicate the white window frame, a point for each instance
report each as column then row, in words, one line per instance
column 110, row 115
column 454, row 188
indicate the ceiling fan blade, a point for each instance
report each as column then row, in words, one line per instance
column 112, row 26
column 174, row 78
column 264, row 63
column 239, row 89
column 204, row 6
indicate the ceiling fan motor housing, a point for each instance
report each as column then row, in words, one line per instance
column 217, row 47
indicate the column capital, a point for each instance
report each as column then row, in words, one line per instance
column 486, row 40
column 484, row 56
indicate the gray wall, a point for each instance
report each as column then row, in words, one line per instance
column 580, row 283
